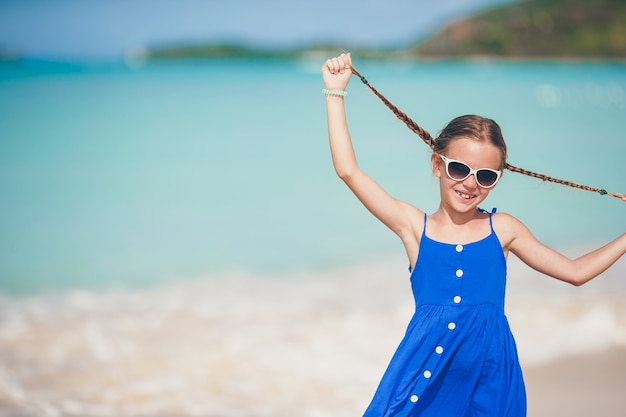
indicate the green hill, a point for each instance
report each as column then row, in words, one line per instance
column 580, row 29
column 535, row 29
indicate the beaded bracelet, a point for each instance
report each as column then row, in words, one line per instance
column 341, row 93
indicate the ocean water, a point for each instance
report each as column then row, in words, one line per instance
column 174, row 241
column 125, row 176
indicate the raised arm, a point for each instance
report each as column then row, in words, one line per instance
column 550, row 262
column 399, row 216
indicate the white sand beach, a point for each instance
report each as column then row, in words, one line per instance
column 579, row 386
column 313, row 345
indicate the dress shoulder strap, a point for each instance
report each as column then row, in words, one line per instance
column 493, row 211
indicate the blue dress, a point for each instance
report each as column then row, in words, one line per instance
column 458, row 357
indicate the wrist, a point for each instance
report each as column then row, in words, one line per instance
column 334, row 92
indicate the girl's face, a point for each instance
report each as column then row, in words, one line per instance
column 466, row 195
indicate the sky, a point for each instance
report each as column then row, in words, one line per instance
column 110, row 28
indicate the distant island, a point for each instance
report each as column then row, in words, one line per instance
column 531, row 29
column 536, row 29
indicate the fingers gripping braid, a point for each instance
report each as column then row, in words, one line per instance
column 430, row 141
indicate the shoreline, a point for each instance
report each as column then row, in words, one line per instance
column 12, row 60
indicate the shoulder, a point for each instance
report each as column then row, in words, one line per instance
column 416, row 219
column 505, row 219
column 410, row 234
column 508, row 228
column 412, row 227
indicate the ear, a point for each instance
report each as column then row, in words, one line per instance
column 437, row 164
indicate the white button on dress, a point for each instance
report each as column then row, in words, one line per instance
column 459, row 273
column 452, row 325
column 427, row 374
column 414, row 398
column 457, row 299
column 459, row 248
column 439, row 350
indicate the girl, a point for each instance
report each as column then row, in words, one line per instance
column 458, row 356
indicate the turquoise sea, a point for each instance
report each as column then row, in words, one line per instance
column 174, row 241
column 117, row 175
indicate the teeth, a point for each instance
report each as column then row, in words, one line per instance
column 468, row 196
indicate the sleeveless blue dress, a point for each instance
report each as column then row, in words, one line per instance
column 458, row 357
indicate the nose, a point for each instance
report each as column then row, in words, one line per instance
column 470, row 181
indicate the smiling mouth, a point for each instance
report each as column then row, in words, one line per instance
column 465, row 196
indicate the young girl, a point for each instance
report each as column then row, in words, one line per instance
column 458, row 356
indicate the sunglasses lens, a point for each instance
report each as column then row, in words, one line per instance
column 486, row 178
column 457, row 170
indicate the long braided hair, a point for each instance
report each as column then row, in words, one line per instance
column 437, row 146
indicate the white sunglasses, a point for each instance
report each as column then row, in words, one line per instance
column 459, row 171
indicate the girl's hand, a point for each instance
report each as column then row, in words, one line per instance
column 336, row 72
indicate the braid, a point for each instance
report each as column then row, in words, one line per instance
column 421, row 132
column 430, row 141
column 559, row 181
